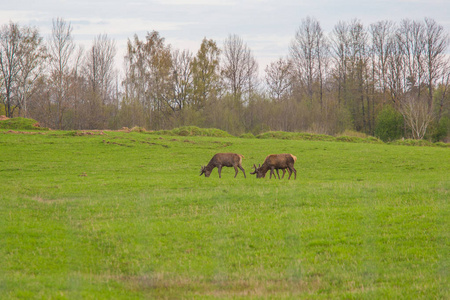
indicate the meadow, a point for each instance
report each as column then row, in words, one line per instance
column 125, row 215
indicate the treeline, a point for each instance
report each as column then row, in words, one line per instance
column 387, row 79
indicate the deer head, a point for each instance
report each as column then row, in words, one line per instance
column 203, row 170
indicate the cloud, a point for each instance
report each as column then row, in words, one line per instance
column 123, row 26
column 18, row 16
column 266, row 26
column 199, row 2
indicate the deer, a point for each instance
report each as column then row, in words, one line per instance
column 276, row 162
column 220, row 160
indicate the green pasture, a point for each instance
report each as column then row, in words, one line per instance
column 125, row 215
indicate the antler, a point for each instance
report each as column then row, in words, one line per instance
column 202, row 170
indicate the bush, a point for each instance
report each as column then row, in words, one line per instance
column 441, row 130
column 389, row 124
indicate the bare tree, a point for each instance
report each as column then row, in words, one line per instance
column 240, row 69
column 10, row 53
column 436, row 44
column 61, row 48
column 351, row 63
column 382, row 34
column 443, row 100
column 360, row 72
column 182, row 78
column 418, row 65
column 279, row 78
column 340, row 44
column 99, row 67
column 395, row 72
column 411, row 42
column 310, row 52
column 76, row 85
column 20, row 55
column 100, row 75
column 31, row 67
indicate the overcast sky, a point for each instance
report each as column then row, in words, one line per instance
column 266, row 26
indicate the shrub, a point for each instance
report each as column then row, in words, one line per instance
column 389, row 124
column 441, row 130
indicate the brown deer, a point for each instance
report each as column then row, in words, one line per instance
column 276, row 162
column 220, row 160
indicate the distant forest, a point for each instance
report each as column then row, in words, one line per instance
column 390, row 80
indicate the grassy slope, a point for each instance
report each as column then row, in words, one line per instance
column 126, row 215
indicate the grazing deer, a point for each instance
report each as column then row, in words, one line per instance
column 276, row 162
column 220, row 160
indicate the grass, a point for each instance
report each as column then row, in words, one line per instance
column 193, row 131
column 125, row 216
column 21, row 123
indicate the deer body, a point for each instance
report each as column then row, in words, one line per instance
column 276, row 162
column 220, row 160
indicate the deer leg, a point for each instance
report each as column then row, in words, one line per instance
column 278, row 174
column 235, row 171
column 291, row 169
column 284, row 173
column 243, row 171
column 272, row 172
column 220, row 171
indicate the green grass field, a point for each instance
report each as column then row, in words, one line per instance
column 127, row 216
